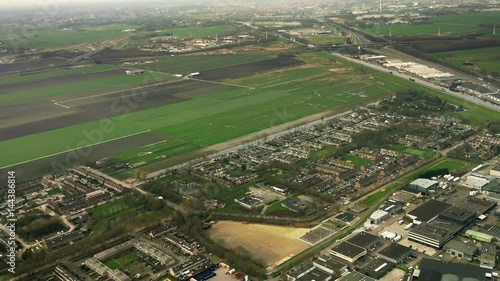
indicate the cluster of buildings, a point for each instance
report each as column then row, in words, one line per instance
column 436, row 222
column 172, row 44
column 96, row 263
column 480, row 147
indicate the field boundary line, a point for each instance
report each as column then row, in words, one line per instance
column 117, row 92
column 70, row 150
column 222, row 83
column 296, row 80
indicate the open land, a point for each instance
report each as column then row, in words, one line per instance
column 267, row 243
column 459, row 24
column 484, row 59
column 266, row 92
column 49, row 37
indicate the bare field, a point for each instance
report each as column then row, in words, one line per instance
column 267, row 243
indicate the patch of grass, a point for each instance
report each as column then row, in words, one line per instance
column 56, row 141
column 64, row 91
column 276, row 207
column 457, row 24
column 356, row 160
column 113, row 264
column 484, row 59
column 376, row 197
column 52, row 37
column 323, row 40
column 110, row 210
column 449, row 164
column 128, row 259
column 413, row 151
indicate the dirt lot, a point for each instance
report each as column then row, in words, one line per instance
column 268, row 243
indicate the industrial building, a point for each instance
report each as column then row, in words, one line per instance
column 378, row 268
column 348, row 252
column 308, row 272
column 457, row 215
column 427, row 211
column 461, row 250
column 435, row 234
column 364, row 240
column 432, row 270
column 476, row 182
column 356, row 276
column 423, row 185
column 378, row 216
column 328, row 264
column 395, row 253
column 479, row 236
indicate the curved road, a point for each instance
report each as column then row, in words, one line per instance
column 424, row 83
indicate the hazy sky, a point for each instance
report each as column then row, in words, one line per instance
column 41, row 3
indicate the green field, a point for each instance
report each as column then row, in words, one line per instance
column 122, row 261
column 459, row 24
column 377, row 196
column 323, row 40
column 189, row 63
column 356, row 160
column 277, row 97
column 486, row 60
column 413, row 151
column 51, row 37
column 66, row 90
column 200, row 31
column 113, row 264
column 449, row 164
column 277, row 207
column 65, row 139
column 109, row 210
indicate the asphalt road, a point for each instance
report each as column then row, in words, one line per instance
column 425, row 83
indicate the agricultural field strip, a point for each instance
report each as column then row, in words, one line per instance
column 74, row 149
column 222, row 83
column 117, row 92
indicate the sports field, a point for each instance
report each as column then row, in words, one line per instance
column 122, row 261
column 458, row 24
column 484, row 59
column 268, row 243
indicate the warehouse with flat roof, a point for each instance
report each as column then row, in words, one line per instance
column 378, row 268
column 435, row 234
column 395, row 253
column 348, row 252
column 461, row 250
column 432, row 270
column 427, row 211
column 423, row 185
column 364, row 240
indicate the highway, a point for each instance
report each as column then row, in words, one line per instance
column 425, row 83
